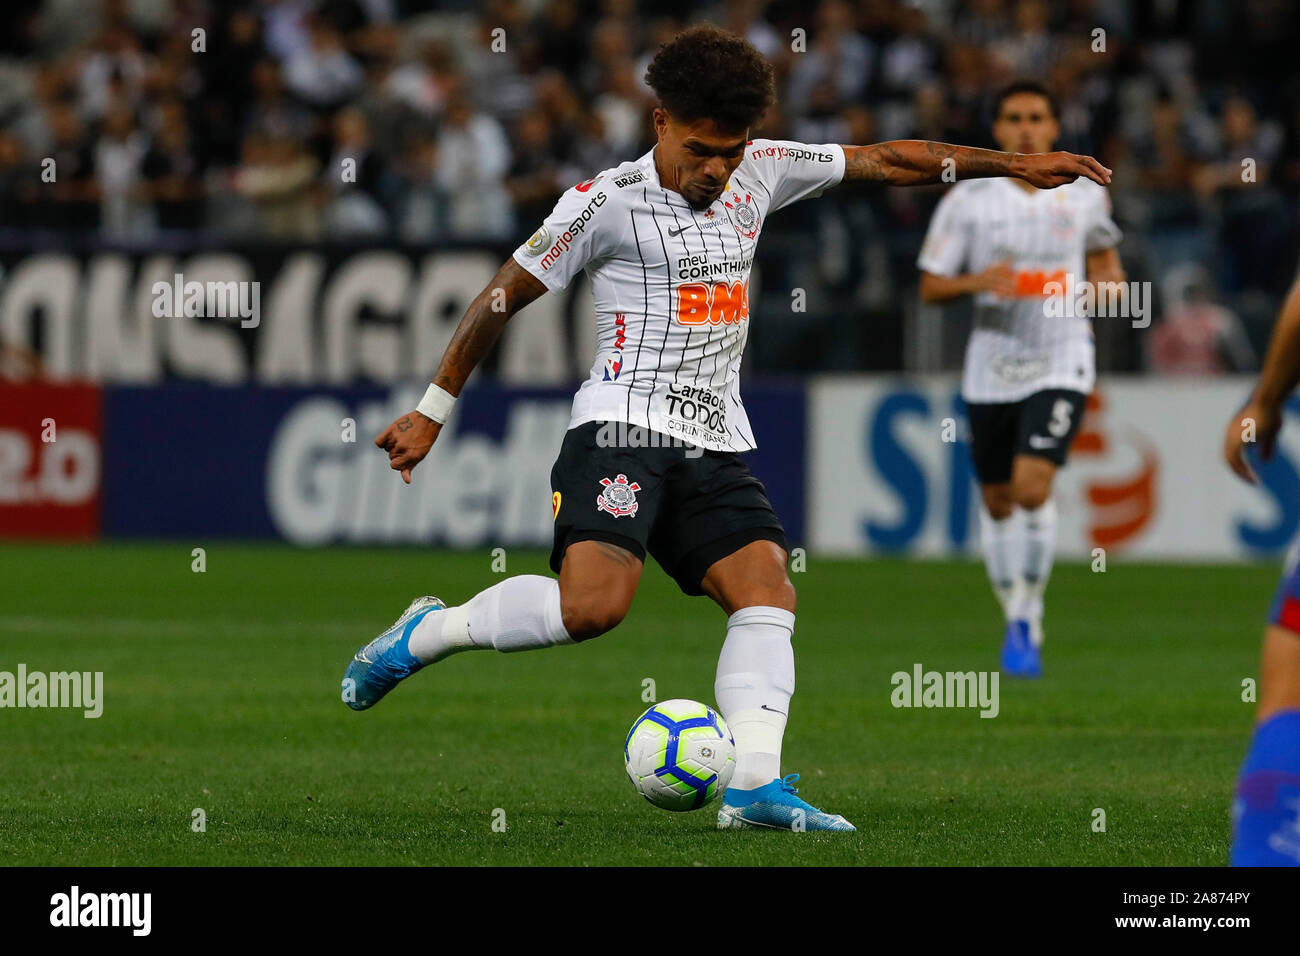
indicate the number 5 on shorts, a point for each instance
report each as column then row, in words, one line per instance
column 1059, row 426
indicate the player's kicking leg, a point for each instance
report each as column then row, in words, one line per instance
column 601, row 529
column 595, row 589
column 1266, row 811
column 755, row 681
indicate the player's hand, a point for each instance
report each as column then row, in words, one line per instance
column 407, row 441
column 999, row 278
column 1255, row 424
column 1049, row 170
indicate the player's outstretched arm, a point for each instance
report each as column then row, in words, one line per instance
column 409, row 439
column 1261, row 419
column 916, row 162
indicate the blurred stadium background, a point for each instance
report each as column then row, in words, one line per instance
column 134, row 149
column 139, row 140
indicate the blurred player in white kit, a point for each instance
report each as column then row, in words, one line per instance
column 1028, row 368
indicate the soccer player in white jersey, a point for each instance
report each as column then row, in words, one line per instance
column 1028, row 369
column 650, row 463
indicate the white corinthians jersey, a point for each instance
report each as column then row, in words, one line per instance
column 671, row 286
column 1016, row 347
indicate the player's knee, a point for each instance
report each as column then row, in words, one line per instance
column 998, row 501
column 1033, row 494
column 585, row 619
column 1000, row 510
column 774, row 590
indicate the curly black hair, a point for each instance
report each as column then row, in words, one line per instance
column 705, row 72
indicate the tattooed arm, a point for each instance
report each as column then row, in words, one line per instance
column 915, row 162
column 409, row 439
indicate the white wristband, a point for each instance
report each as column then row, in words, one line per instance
column 436, row 404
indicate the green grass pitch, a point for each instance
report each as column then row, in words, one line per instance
column 222, row 693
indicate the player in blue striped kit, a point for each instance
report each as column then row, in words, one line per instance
column 1266, row 811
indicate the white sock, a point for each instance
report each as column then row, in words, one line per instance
column 518, row 614
column 753, row 688
column 1000, row 540
column 1040, row 551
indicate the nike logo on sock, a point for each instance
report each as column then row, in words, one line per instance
column 773, row 710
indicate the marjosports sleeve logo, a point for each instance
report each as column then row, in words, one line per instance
column 565, row 239
column 799, row 152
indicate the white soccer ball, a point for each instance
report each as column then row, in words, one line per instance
column 680, row 754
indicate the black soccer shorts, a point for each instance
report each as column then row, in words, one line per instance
column 1044, row 424
column 687, row 507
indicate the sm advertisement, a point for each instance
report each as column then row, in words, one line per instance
column 889, row 471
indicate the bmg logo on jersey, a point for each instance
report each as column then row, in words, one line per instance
column 1033, row 283
column 712, row 303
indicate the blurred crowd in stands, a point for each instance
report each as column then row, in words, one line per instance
column 425, row 122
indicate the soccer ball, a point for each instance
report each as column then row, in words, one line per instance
column 680, row 754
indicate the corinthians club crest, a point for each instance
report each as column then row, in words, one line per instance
column 743, row 214
column 619, row 497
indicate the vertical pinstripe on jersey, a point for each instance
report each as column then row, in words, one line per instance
column 645, row 310
column 668, row 311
